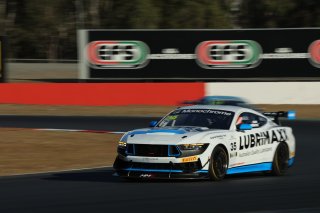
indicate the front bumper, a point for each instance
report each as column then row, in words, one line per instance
column 129, row 169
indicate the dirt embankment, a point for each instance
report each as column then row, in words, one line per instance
column 27, row 151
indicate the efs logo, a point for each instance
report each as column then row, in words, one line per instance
column 219, row 54
column 117, row 54
column 314, row 51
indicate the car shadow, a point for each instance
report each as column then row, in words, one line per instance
column 107, row 175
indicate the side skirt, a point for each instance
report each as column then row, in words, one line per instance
column 250, row 168
column 259, row 167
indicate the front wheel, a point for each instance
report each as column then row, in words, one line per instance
column 218, row 164
column 281, row 160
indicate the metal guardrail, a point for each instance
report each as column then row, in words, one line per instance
column 31, row 60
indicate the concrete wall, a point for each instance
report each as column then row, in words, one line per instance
column 256, row 92
column 40, row 71
column 269, row 92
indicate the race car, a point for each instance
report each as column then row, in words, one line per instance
column 222, row 100
column 207, row 141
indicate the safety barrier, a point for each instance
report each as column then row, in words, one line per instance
column 269, row 92
column 100, row 94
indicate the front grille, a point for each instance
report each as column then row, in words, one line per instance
column 151, row 150
column 147, row 150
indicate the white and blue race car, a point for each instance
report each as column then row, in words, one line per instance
column 205, row 141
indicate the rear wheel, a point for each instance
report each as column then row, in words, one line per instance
column 280, row 160
column 218, row 164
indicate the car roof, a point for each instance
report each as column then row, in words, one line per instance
column 219, row 107
column 218, row 97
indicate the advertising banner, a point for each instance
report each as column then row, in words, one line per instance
column 200, row 55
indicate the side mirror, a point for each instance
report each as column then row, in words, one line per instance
column 291, row 115
column 153, row 123
column 244, row 127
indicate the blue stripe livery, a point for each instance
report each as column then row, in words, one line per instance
column 291, row 160
column 250, row 168
column 259, row 167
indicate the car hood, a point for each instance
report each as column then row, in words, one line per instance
column 170, row 136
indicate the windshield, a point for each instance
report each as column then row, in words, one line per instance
column 222, row 102
column 212, row 119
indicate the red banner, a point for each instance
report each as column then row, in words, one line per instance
column 100, row 94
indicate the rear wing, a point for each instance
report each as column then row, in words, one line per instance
column 290, row 115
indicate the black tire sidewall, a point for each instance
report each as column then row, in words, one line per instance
column 212, row 171
column 277, row 168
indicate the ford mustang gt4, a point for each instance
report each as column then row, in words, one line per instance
column 205, row 141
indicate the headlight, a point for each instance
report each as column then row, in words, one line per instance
column 122, row 144
column 194, row 146
column 192, row 149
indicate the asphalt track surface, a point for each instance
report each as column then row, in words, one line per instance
column 97, row 190
column 76, row 122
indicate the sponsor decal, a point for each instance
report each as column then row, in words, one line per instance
column 145, row 176
column 218, row 137
column 262, row 138
column 314, row 51
column 149, row 159
column 233, row 154
column 205, row 111
column 172, row 117
column 283, row 50
column 170, row 51
column 254, row 152
column 117, row 54
column 189, row 159
column 284, row 53
column 219, row 54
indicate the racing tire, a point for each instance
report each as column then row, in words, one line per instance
column 218, row 164
column 280, row 162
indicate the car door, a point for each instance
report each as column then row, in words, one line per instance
column 250, row 143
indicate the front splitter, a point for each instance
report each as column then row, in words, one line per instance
column 162, row 175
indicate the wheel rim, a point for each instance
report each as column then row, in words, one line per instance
column 283, row 157
column 220, row 163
